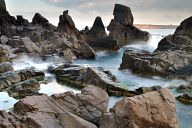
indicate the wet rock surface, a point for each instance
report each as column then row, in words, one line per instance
column 79, row 76
column 21, row 83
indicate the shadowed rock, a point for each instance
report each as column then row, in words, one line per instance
column 123, row 14
column 121, row 27
column 2, row 6
column 98, row 30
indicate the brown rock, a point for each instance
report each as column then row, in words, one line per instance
column 154, row 109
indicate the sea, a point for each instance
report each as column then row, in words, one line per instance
column 109, row 61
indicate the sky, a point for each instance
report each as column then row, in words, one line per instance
column 84, row 12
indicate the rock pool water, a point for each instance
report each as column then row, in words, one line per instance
column 110, row 61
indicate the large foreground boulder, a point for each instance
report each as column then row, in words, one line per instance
column 121, row 27
column 155, row 109
column 47, row 111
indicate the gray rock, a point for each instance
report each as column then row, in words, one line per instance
column 5, row 67
column 2, row 6
column 123, row 14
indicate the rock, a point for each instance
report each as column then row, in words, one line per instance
column 185, row 99
column 30, row 46
column 143, row 90
column 165, row 63
column 123, row 14
column 97, row 31
column 3, row 54
column 184, row 89
column 126, row 34
column 185, row 28
column 4, row 39
column 26, row 88
column 2, row 6
column 5, row 67
column 22, row 21
column 8, row 79
column 89, row 105
column 73, row 121
column 154, row 109
column 79, row 76
column 107, row 43
column 40, row 20
column 11, row 120
column 66, row 24
column 121, row 27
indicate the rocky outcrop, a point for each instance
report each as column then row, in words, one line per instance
column 97, row 30
column 171, row 58
column 66, row 109
column 21, row 21
column 180, row 40
column 2, row 6
column 97, row 37
column 88, row 109
column 66, row 24
column 154, row 109
column 79, row 76
column 21, row 83
column 123, row 15
column 121, row 27
column 106, row 43
column 166, row 63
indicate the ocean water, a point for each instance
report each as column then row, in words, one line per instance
column 110, row 61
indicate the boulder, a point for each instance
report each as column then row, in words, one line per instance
column 154, row 109
column 97, row 31
column 185, row 99
column 21, row 21
column 40, row 20
column 165, row 63
column 30, row 46
column 2, row 7
column 5, row 67
column 171, row 58
column 11, row 78
column 4, row 39
column 79, row 76
column 123, row 15
column 11, row 120
column 89, row 105
column 66, row 24
column 4, row 57
column 180, row 40
column 126, row 34
column 26, row 88
column 106, row 43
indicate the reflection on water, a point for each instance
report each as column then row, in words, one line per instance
column 110, row 61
